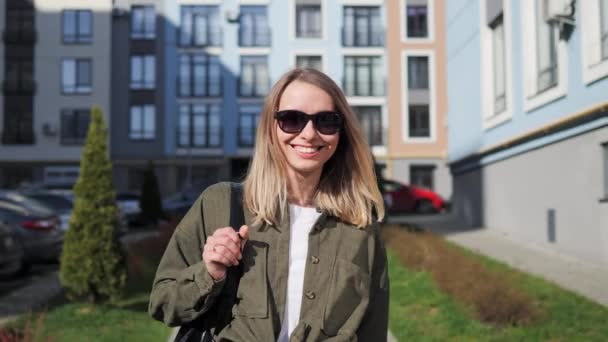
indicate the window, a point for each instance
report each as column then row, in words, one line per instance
column 76, row 76
column 498, row 65
column 546, row 51
column 370, row 118
column 142, row 122
column 545, row 69
column 74, row 126
column 417, row 19
column 419, row 121
column 254, row 29
column 20, row 25
column 143, row 72
column 77, row 26
column 249, row 118
column 308, row 19
column 19, row 76
column 18, row 128
column 362, row 27
column 199, row 126
column 604, row 27
column 422, row 175
column 314, row 62
column 199, row 75
column 143, row 22
column 594, row 39
column 254, row 81
column 418, row 72
column 200, row 26
column 363, row 76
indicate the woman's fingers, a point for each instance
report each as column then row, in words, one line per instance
column 227, row 243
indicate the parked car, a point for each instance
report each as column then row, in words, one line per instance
column 58, row 203
column 36, row 231
column 11, row 254
column 403, row 198
column 128, row 203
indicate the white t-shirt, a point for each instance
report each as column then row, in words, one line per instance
column 301, row 221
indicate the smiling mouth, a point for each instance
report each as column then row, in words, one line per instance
column 304, row 149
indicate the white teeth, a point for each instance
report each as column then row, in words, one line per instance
column 306, row 149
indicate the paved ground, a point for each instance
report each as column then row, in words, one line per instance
column 583, row 278
column 20, row 295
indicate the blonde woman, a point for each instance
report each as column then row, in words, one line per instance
column 312, row 264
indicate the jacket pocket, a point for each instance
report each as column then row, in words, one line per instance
column 252, row 293
column 347, row 298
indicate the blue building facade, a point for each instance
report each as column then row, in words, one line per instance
column 528, row 117
column 221, row 58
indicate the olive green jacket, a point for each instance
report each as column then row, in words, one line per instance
column 345, row 284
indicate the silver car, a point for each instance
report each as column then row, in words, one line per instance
column 11, row 254
column 36, row 232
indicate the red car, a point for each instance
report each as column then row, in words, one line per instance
column 400, row 197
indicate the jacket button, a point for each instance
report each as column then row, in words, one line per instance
column 315, row 260
column 310, row 295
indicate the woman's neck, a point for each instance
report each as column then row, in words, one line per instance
column 302, row 188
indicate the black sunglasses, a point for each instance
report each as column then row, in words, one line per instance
column 293, row 121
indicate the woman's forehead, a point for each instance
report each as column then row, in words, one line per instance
column 305, row 97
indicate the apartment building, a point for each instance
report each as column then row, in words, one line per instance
column 417, row 95
column 56, row 57
column 528, row 121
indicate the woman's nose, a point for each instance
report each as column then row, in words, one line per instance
column 309, row 130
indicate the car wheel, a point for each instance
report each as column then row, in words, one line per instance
column 425, row 206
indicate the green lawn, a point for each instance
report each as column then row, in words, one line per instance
column 419, row 311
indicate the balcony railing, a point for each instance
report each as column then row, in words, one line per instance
column 213, row 38
column 253, row 89
column 19, row 87
column 258, row 37
column 187, row 137
column 19, row 36
column 373, row 88
column 370, row 38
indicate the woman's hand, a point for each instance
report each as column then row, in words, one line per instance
column 224, row 249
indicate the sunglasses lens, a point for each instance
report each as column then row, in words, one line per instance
column 291, row 121
column 328, row 123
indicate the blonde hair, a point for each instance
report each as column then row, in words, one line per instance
column 347, row 189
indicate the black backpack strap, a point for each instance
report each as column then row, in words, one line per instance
column 212, row 322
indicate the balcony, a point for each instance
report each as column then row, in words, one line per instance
column 19, row 87
column 368, row 38
column 25, row 37
column 374, row 88
column 212, row 38
column 258, row 37
column 199, row 137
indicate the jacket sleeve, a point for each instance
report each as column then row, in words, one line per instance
column 183, row 289
column 374, row 326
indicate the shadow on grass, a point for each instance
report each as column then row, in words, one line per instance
column 493, row 296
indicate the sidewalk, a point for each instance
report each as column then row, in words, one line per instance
column 588, row 280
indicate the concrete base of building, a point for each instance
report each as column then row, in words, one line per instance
column 550, row 197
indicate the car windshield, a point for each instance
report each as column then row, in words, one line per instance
column 56, row 202
column 28, row 203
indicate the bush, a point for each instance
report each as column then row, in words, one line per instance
column 149, row 200
column 492, row 295
column 92, row 262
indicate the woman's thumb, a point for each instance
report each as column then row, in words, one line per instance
column 244, row 232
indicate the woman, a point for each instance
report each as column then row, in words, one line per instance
column 313, row 264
